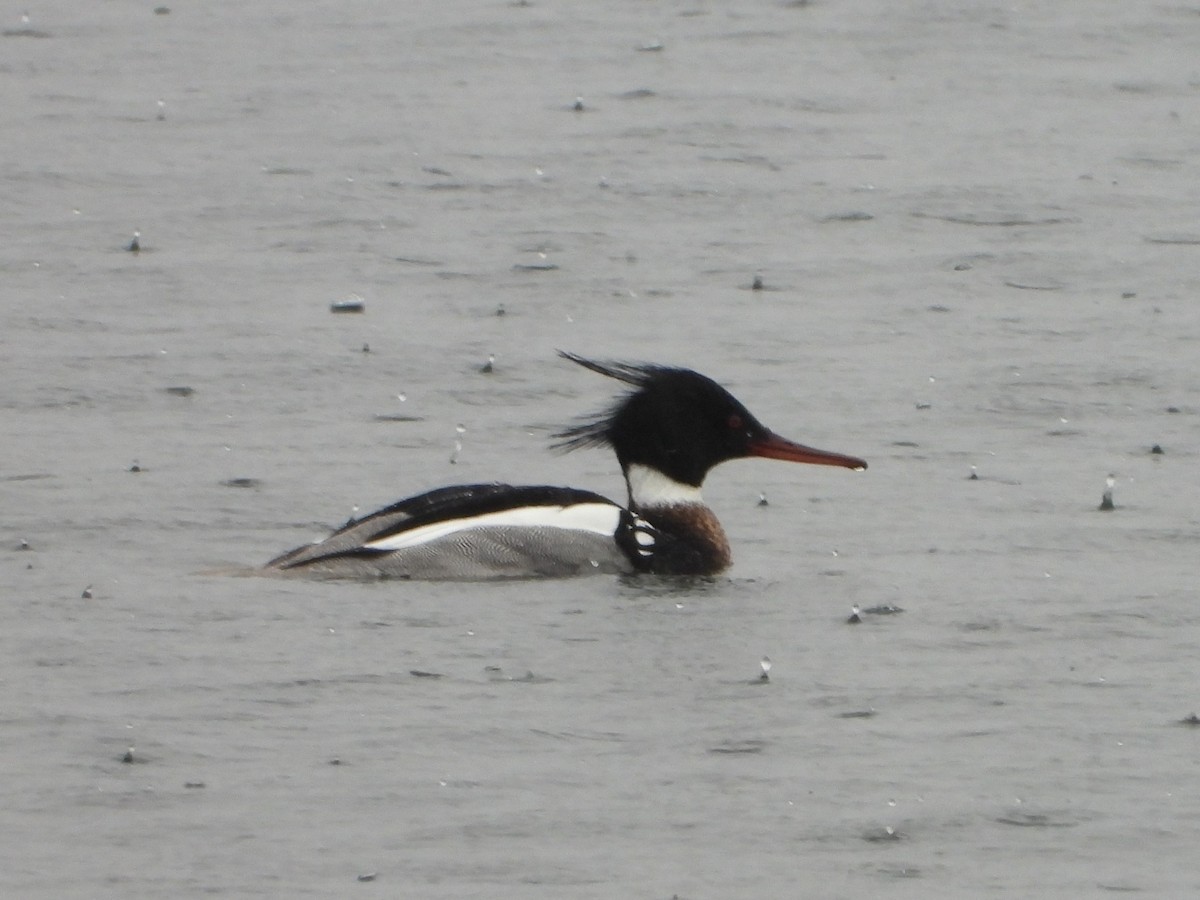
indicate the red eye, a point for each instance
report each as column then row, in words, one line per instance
column 735, row 422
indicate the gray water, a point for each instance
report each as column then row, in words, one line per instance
column 976, row 227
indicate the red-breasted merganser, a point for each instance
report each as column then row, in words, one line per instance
column 667, row 433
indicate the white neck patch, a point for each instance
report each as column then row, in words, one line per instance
column 649, row 487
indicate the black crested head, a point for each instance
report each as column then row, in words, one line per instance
column 675, row 420
column 681, row 424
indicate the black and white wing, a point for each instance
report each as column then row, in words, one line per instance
column 472, row 532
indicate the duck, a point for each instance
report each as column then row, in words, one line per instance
column 668, row 431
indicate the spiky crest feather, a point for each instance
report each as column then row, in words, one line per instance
column 593, row 430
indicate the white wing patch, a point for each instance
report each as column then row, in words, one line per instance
column 597, row 518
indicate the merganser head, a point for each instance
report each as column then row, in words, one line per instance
column 679, row 424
